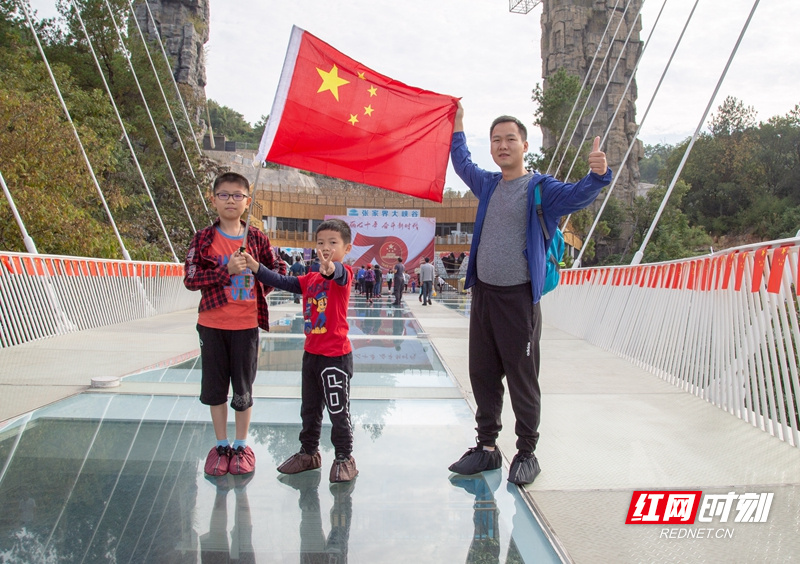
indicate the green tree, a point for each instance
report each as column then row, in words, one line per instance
column 673, row 237
column 230, row 123
column 743, row 174
column 39, row 155
column 554, row 102
column 654, row 161
column 733, row 117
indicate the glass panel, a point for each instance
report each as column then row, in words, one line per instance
column 394, row 362
column 100, row 478
column 461, row 304
column 359, row 326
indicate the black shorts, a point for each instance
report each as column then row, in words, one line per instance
column 229, row 359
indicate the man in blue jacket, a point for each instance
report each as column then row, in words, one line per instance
column 506, row 271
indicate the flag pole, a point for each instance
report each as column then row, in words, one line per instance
column 250, row 209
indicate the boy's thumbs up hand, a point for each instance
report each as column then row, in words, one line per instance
column 597, row 158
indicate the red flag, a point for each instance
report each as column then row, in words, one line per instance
column 720, row 261
column 740, row 266
column 726, row 277
column 670, row 274
column 334, row 116
column 655, row 277
column 776, row 270
column 758, row 268
column 676, row 279
column 692, row 271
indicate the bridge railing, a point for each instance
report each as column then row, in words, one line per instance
column 46, row 295
column 723, row 327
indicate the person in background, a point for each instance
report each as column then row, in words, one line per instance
column 297, row 269
column 369, row 282
column 426, row 275
column 378, row 280
column 360, row 280
column 399, row 275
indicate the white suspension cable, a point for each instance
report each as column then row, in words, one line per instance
column 605, row 90
column 172, row 76
column 625, row 92
column 578, row 97
column 29, row 244
column 166, row 103
column 62, row 320
column 633, row 75
column 127, row 56
column 636, row 135
column 591, row 90
column 637, row 258
column 75, row 132
column 124, row 130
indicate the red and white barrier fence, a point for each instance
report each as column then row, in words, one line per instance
column 46, row 295
column 723, row 327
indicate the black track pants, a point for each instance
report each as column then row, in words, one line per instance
column 504, row 331
column 326, row 383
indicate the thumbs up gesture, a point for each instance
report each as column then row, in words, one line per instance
column 597, row 159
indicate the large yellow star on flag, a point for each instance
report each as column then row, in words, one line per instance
column 331, row 81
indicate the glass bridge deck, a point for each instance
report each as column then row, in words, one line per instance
column 105, row 477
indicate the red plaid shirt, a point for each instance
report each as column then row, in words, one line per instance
column 204, row 274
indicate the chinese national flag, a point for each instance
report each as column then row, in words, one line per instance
column 334, row 116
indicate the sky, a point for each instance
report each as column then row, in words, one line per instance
column 491, row 58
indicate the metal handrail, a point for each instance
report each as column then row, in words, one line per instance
column 723, row 326
column 46, row 295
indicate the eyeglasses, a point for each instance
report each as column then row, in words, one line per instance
column 236, row 197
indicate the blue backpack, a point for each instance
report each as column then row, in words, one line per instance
column 556, row 249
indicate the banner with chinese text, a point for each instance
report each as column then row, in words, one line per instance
column 382, row 240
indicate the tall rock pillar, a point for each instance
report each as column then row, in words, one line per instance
column 183, row 25
column 571, row 31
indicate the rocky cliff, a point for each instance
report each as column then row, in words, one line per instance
column 571, row 31
column 183, row 25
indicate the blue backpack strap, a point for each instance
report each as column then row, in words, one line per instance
column 537, row 199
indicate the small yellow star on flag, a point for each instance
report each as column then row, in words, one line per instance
column 361, row 76
column 353, row 119
column 331, row 81
column 368, row 110
column 372, row 91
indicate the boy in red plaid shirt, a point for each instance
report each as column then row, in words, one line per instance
column 232, row 308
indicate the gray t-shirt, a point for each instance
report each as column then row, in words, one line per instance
column 400, row 269
column 500, row 261
column 426, row 272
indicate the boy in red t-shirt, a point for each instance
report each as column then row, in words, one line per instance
column 232, row 308
column 328, row 357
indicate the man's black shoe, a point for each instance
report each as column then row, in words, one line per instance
column 524, row 468
column 476, row 460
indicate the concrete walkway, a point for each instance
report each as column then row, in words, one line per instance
column 608, row 428
column 41, row 372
